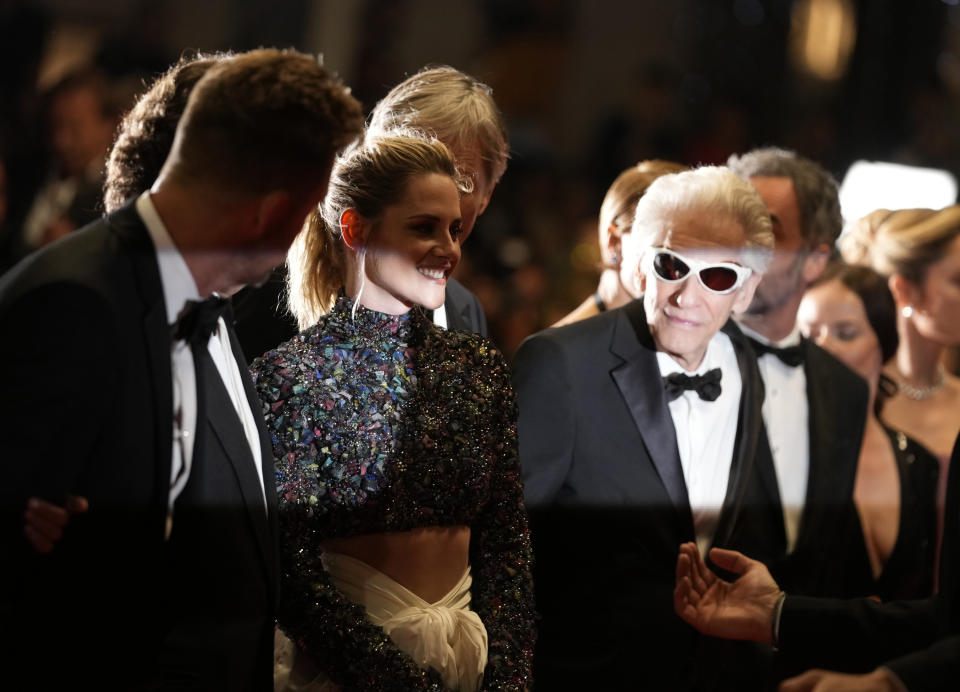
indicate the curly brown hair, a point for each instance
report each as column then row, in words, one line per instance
column 146, row 132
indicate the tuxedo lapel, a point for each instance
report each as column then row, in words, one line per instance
column 228, row 431
column 458, row 316
column 641, row 385
column 135, row 241
column 747, row 444
column 266, row 448
column 949, row 571
column 833, row 435
column 268, row 543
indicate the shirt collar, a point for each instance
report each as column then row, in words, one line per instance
column 791, row 339
column 175, row 277
column 715, row 357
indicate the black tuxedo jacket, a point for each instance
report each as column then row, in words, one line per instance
column 464, row 312
column 608, row 508
column 87, row 410
column 918, row 640
column 826, row 557
column 261, row 318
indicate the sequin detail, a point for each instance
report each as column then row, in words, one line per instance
column 385, row 423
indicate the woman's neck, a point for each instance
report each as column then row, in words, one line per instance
column 611, row 290
column 918, row 359
column 372, row 297
column 872, row 426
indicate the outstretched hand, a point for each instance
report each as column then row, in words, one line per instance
column 742, row 609
column 816, row 680
column 44, row 522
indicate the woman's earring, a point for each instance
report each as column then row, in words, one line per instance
column 907, row 311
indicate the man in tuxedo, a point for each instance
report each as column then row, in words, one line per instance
column 815, row 407
column 127, row 387
column 880, row 647
column 461, row 112
column 642, row 425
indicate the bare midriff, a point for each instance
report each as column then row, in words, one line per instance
column 428, row 561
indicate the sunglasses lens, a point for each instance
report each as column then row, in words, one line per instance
column 718, row 278
column 669, row 267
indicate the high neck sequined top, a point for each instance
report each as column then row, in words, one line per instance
column 385, row 423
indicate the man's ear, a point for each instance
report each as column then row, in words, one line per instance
column 271, row 212
column 745, row 294
column 814, row 263
column 354, row 228
column 482, row 207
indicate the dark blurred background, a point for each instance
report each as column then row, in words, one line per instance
column 587, row 86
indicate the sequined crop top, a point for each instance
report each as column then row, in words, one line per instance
column 385, row 423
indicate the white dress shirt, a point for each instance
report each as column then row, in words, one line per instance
column 440, row 316
column 178, row 288
column 706, row 432
column 786, row 415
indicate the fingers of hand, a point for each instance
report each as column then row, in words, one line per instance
column 700, row 575
column 685, row 602
column 40, row 543
column 45, row 512
column 802, row 683
column 77, row 505
column 730, row 560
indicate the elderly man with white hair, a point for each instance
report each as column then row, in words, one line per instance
column 640, row 429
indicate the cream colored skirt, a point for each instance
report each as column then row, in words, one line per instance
column 446, row 636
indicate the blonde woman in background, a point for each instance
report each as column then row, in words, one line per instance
column 616, row 218
column 919, row 251
column 849, row 312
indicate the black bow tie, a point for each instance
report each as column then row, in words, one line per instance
column 707, row 385
column 789, row 355
column 198, row 319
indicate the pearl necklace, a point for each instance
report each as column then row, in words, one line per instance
column 921, row 393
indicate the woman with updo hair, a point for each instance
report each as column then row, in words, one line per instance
column 616, row 218
column 405, row 553
column 918, row 250
column 850, row 312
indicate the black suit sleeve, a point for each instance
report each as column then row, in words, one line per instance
column 463, row 308
column 934, row 668
column 55, row 352
column 481, row 316
column 57, row 348
column 856, row 635
column 547, row 419
column 917, row 640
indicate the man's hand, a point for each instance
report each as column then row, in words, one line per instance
column 44, row 522
column 879, row 680
column 742, row 609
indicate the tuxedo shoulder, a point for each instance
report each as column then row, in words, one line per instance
column 458, row 291
column 85, row 257
column 823, row 365
column 75, row 277
column 582, row 333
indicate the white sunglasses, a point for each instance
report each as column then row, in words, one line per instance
column 671, row 267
